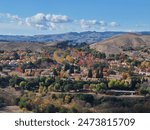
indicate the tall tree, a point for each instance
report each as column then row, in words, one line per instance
column 101, row 73
column 97, row 73
column 71, row 70
column 90, row 74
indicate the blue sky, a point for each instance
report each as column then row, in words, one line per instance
column 31, row 17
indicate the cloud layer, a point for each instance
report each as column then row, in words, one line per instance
column 43, row 21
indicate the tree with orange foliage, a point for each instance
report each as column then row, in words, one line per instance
column 124, row 75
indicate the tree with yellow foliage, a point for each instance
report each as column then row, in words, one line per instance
column 69, row 59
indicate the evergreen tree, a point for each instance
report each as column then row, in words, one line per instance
column 90, row 74
column 71, row 70
column 101, row 74
column 97, row 73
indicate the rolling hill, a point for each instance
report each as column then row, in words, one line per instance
column 21, row 46
column 118, row 44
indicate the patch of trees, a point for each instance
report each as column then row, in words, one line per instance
column 101, row 65
column 117, row 57
column 30, row 106
column 95, row 53
column 144, row 88
column 66, row 85
column 99, row 74
column 124, row 85
column 4, row 82
column 44, row 62
column 45, row 84
column 16, row 56
column 99, row 87
column 122, row 105
column 118, row 85
column 100, row 55
column 43, row 105
column 147, row 50
column 71, row 68
column 128, row 48
column 86, row 97
column 15, row 81
column 29, row 65
column 135, row 63
column 134, row 82
column 31, row 85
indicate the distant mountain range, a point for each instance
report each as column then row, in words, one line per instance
column 107, row 42
column 74, row 37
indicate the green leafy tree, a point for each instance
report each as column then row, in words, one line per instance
column 23, row 84
column 100, row 87
column 111, row 83
column 48, row 81
column 51, row 109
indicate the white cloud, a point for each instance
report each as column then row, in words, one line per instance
column 36, row 19
column 141, row 25
column 44, row 22
column 102, row 23
column 13, row 17
column 114, row 24
column 57, row 18
column 87, row 23
column 10, row 17
column 92, row 24
column 103, row 29
column 40, row 20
